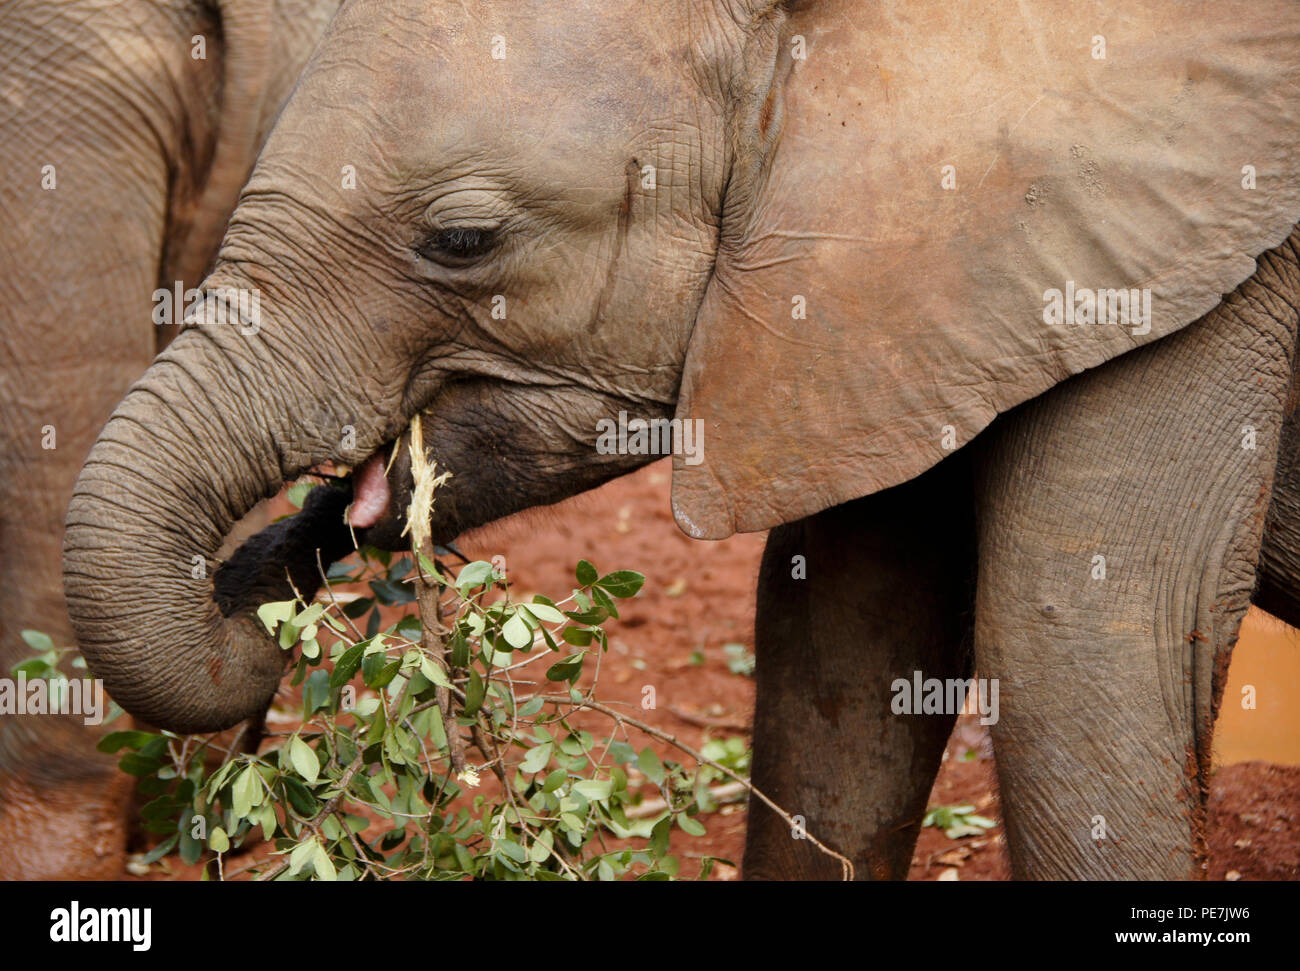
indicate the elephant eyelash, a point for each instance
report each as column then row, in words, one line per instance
column 458, row 246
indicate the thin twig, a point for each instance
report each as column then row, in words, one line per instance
column 330, row 590
column 721, row 794
column 846, row 865
column 704, row 721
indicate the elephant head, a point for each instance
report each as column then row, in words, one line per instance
column 823, row 229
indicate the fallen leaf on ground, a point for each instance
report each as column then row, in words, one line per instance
column 954, row 857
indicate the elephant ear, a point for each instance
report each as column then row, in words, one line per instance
column 931, row 175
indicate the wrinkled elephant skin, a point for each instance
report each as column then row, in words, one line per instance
column 851, row 242
column 123, row 155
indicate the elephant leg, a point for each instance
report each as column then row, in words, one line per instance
column 848, row 601
column 62, row 803
column 1120, row 518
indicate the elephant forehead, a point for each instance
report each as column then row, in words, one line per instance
column 552, row 101
column 602, row 68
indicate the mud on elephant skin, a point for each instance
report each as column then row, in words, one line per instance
column 701, row 214
column 126, row 131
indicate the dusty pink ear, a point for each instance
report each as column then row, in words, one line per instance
column 967, row 204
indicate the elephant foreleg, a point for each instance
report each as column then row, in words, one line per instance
column 849, row 601
column 1120, row 518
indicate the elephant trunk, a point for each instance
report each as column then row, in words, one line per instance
column 192, row 448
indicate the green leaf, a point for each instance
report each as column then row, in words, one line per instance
column 113, row 741
column 544, row 612
column 309, row 616
column 568, row 669
column 218, row 841
column 161, row 850
column 622, row 753
column 358, row 608
column 300, row 797
column 659, row 836
column 474, row 692
column 304, row 759
column 541, row 848
column 321, row 862
column 531, row 707
column 690, row 825
column 266, row 814
column 476, row 574
column 432, row 670
column 387, row 671
column 431, row 570
column 247, row 791
column 410, row 628
column 594, row 789
column 393, row 593
column 38, row 641
column 191, row 850
column 341, row 570
column 554, row 780
column 36, row 668
column 586, row 573
column 513, row 850
column 138, row 765
column 459, row 649
column 621, row 583
column 437, row 731
column 604, row 602
column 596, row 615
column 297, row 493
column 375, row 733
column 577, row 636
column 161, row 808
column 345, row 668
column 650, row 766
column 516, row 632
column 273, row 613
column 289, row 635
column 537, row 758
column 315, row 692
column 302, row 854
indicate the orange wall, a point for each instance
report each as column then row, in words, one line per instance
column 1268, row 657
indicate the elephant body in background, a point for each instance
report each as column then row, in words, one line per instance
column 829, row 233
column 128, row 129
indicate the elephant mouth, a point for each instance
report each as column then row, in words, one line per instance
column 371, row 495
column 381, row 491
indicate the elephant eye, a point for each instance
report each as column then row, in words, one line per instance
column 457, row 246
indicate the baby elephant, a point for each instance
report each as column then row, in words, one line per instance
column 990, row 319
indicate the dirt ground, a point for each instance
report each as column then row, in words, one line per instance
column 699, row 597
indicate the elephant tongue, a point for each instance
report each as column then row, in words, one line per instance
column 369, row 492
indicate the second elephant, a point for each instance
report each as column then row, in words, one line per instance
column 127, row 130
